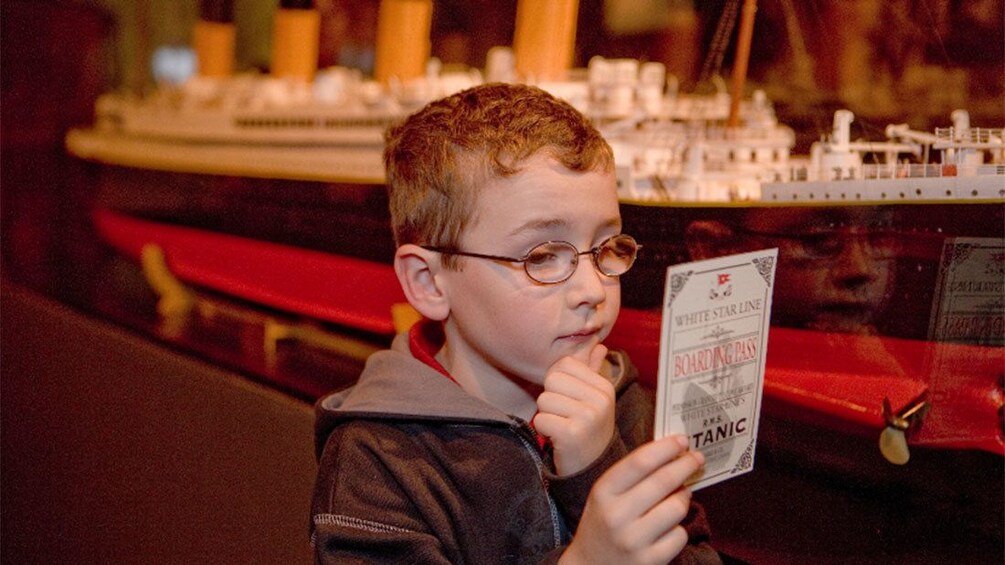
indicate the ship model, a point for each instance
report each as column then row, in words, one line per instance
column 306, row 144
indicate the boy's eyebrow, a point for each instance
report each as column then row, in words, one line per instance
column 544, row 224
column 539, row 224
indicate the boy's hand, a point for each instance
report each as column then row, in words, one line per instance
column 576, row 411
column 634, row 511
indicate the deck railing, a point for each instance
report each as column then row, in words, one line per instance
column 900, row 170
column 973, row 135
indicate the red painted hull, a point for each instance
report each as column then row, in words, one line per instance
column 835, row 380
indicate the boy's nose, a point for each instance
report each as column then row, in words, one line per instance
column 586, row 283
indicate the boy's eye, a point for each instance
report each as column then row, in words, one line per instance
column 619, row 247
column 543, row 255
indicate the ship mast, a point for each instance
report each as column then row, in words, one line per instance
column 742, row 59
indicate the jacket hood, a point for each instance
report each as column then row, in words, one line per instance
column 395, row 385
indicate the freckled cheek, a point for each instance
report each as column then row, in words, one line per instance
column 530, row 351
column 522, row 320
column 612, row 301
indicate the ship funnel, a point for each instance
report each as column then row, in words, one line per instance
column 213, row 38
column 403, row 28
column 295, row 35
column 963, row 155
column 961, row 124
column 545, row 38
column 841, row 135
column 837, row 161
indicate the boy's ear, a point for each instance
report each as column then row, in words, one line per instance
column 709, row 238
column 417, row 269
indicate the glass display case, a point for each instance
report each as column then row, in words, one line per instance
column 888, row 320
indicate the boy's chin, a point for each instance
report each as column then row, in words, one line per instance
column 580, row 351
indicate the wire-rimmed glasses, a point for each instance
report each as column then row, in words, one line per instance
column 553, row 262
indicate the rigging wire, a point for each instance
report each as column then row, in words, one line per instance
column 935, row 32
column 723, row 33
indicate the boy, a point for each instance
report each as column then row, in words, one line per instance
column 497, row 429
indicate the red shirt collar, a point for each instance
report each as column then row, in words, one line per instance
column 425, row 339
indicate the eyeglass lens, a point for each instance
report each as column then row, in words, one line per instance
column 555, row 261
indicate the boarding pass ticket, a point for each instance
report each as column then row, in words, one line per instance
column 713, row 344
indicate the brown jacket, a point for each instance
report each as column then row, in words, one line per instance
column 412, row 469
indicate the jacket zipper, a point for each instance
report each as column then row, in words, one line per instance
column 531, row 445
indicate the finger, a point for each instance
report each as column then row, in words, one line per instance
column 668, row 546
column 597, row 357
column 557, row 404
column 598, row 395
column 548, row 425
column 569, row 375
column 641, row 463
column 662, row 518
column 573, row 418
column 667, row 479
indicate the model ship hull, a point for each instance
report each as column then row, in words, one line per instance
column 810, row 375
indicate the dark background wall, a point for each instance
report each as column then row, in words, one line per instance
column 118, row 450
column 114, row 449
